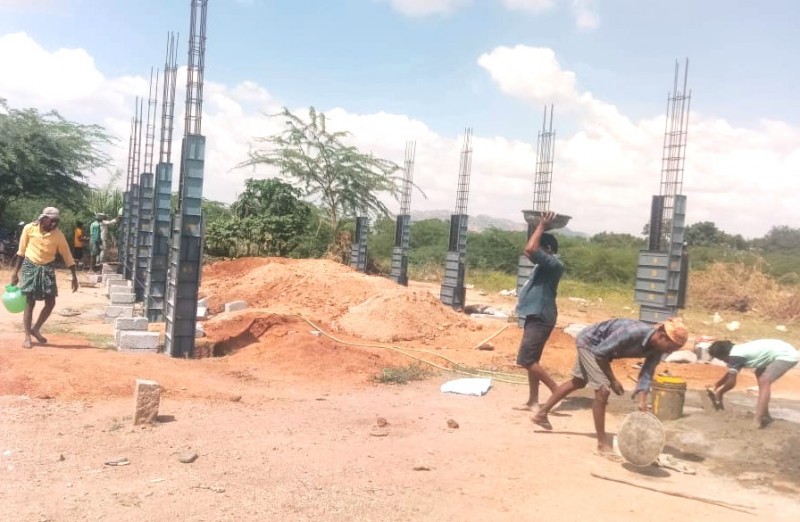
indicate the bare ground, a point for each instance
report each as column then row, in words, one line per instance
column 285, row 423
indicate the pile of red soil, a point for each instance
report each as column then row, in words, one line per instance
column 324, row 291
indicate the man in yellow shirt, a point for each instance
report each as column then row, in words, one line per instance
column 39, row 243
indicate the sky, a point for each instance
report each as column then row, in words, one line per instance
column 389, row 71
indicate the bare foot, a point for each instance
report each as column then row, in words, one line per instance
column 541, row 420
column 605, row 447
column 38, row 336
column 27, row 343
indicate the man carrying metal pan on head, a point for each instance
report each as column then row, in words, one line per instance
column 39, row 243
column 537, row 304
column 599, row 344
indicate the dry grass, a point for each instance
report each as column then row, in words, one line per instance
column 737, row 287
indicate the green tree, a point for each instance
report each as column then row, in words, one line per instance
column 344, row 181
column 43, row 155
column 268, row 218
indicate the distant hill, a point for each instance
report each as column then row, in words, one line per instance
column 483, row 222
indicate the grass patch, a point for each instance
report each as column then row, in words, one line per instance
column 491, row 280
column 403, row 374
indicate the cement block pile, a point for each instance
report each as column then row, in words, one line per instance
column 131, row 333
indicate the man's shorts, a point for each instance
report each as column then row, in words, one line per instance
column 97, row 246
column 534, row 336
column 775, row 370
column 587, row 369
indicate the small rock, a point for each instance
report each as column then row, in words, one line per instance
column 452, row 424
column 381, row 422
column 61, row 458
column 188, row 457
column 781, row 328
column 421, row 468
column 487, row 347
column 235, row 398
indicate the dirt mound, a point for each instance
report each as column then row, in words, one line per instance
column 373, row 308
column 286, row 345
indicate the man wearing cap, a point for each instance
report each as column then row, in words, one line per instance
column 771, row 358
column 601, row 343
column 39, row 243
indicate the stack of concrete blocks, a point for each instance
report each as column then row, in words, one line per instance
column 131, row 335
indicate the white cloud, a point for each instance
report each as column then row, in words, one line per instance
column 743, row 179
column 530, row 73
column 585, row 14
column 420, row 8
column 533, row 6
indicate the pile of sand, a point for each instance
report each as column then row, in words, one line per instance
column 327, row 292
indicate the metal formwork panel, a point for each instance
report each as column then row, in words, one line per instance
column 156, row 287
column 132, row 234
column 185, row 256
column 402, row 234
column 144, row 237
column 453, row 292
column 524, row 271
column 358, row 248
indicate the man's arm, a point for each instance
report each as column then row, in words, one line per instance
column 605, row 364
column 645, row 379
column 533, row 242
column 23, row 246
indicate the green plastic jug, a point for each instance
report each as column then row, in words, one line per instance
column 13, row 299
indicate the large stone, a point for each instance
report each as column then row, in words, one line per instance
column 146, row 399
column 123, row 298
column 137, row 341
column 235, row 305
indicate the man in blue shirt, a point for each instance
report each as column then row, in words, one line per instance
column 597, row 346
column 537, row 304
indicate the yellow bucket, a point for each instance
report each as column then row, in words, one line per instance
column 669, row 394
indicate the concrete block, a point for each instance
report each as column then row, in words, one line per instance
column 202, row 312
column 137, row 341
column 146, row 399
column 235, row 305
column 110, row 268
column 107, row 278
column 119, row 290
column 94, row 278
column 199, row 331
column 123, row 298
column 131, row 323
column 202, row 302
column 121, row 283
column 112, row 312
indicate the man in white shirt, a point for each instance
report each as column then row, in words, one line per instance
column 770, row 358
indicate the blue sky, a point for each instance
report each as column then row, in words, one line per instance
column 371, row 56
